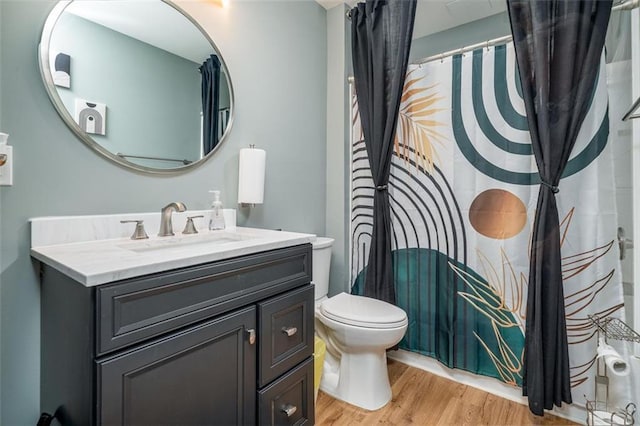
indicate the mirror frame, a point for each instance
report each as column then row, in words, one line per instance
column 56, row 100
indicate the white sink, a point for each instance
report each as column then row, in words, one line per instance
column 214, row 238
column 95, row 250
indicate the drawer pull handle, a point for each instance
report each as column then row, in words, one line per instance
column 251, row 333
column 289, row 409
column 289, row 331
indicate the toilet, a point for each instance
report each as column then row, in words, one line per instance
column 357, row 331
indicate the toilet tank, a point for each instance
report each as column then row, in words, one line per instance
column 321, row 265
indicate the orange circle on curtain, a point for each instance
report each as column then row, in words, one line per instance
column 497, row 214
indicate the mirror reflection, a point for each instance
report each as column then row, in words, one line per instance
column 137, row 80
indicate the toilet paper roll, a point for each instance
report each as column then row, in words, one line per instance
column 251, row 176
column 612, row 359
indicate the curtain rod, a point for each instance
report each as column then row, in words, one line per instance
column 462, row 50
column 624, row 5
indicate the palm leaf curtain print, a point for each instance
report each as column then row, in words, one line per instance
column 558, row 47
column 381, row 38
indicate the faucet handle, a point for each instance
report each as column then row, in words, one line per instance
column 139, row 233
column 190, row 228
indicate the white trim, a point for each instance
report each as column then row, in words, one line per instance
column 350, row 197
column 635, row 90
column 572, row 412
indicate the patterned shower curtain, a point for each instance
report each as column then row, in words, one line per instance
column 463, row 191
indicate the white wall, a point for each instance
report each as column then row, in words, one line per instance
column 635, row 84
column 619, row 87
column 635, row 66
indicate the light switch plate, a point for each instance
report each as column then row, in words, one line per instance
column 6, row 170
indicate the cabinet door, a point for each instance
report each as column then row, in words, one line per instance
column 204, row 375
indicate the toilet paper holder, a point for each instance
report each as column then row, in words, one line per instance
column 598, row 410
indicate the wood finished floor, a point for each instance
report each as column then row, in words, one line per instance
column 422, row 398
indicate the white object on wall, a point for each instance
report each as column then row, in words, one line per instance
column 6, row 161
column 91, row 116
column 251, row 176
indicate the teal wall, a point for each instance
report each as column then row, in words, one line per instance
column 133, row 79
column 464, row 35
column 276, row 54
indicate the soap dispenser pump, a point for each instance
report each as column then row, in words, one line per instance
column 216, row 221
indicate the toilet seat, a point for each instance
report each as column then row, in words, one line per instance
column 363, row 312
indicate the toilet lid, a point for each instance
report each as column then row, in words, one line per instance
column 363, row 311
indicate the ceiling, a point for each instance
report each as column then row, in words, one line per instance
column 433, row 16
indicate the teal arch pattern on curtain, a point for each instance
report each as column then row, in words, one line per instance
column 428, row 289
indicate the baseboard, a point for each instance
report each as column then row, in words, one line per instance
column 572, row 412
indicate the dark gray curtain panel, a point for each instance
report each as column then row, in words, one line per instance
column 558, row 48
column 210, row 73
column 381, row 38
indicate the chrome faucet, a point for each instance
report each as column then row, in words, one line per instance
column 166, row 227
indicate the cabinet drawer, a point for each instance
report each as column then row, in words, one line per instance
column 289, row 400
column 134, row 310
column 285, row 332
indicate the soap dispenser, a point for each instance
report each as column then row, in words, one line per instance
column 217, row 217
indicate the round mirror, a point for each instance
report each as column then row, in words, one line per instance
column 138, row 81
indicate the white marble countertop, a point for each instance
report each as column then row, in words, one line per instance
column 98, row 261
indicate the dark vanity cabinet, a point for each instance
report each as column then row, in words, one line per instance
column 223, row 343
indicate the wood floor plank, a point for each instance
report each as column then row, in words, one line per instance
column 422, row 398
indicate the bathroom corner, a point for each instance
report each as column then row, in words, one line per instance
column 337, row 152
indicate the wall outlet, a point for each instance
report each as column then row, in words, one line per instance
column 6, row 170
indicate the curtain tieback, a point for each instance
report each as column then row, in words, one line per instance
column 553, row 189
column 381, row 187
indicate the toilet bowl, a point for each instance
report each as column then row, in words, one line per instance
column 357, row 331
